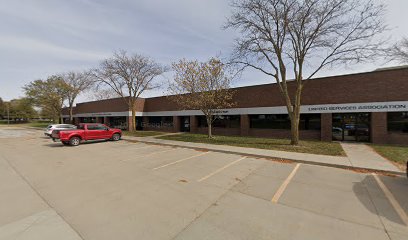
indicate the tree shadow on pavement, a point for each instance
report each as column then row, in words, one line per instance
column 380, row 204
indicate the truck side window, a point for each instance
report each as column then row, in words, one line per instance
column 100, row 127
column 92, row 127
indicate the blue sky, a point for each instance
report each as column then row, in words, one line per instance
column 43, row 37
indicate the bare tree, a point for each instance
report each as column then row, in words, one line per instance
column 202, row 86
column 77, row 83
column 399, row 51
column 129, row 76
column 102, row 93
column 301, row 37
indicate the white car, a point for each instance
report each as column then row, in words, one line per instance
column 50, row 128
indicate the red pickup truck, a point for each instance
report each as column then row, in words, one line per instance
column 86, row 132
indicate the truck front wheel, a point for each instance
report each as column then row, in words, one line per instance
column 116, row 137
column 74, row 141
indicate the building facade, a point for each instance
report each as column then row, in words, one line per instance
column 363, row 107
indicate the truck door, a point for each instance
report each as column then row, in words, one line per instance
column 96, row 131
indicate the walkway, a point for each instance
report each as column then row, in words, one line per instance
column 361, row 155
column 324, row 160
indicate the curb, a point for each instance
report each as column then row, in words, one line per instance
column 278, row 159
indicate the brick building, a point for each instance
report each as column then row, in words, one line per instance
column 366, row 107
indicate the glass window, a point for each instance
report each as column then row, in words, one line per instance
column 168, row 120
column 118, row 122
column 101, row 127
column 92, row 127
column 229, row 121
column 221, row 121
column 139, row 123
column 201, row 121
column 282, row 121
column 397, row 122
column 155, row 120
column 96, row 127
column 88, row 120
column 270, row 121
column 309, row 122
column 159, row 122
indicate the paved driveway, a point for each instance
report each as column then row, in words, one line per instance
column 125, row 190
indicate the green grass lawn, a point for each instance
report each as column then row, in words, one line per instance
column 397, row 154
column 142, row 133
column 27, row 124
column 315, row 147
column 39, row 124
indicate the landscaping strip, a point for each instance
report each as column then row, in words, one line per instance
column 313, row 147
column 396, row 154
column 143, row 133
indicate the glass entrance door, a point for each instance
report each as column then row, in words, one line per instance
column 185, row 123
column 351, row 127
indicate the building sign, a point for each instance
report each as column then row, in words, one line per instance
column 357, row 107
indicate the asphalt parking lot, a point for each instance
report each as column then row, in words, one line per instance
column 126, row 190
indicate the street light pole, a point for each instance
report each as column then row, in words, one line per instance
column 8, row 114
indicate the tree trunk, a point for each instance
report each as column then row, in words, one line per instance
column 296, row 115
column 294, row 127
column 55, row 118
column 209, row 124
column 210, row 130
column 132, row 128
column 71, row 117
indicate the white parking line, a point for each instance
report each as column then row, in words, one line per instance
column 397, row 207
column 150, row 154
column 144, row 147
column 282, row 188
column 220, row 169
column 181, row 160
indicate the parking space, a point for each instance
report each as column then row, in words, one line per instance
column 126, row 190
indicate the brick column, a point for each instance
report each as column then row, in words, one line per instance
column 326, row 122
column 193, row 124
column 129, row 122
column 378, row 127
column 245, row 125
column 176, row 123
column 106, row 121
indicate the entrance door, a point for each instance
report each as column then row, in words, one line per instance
column 185, row 124
column 351, row 127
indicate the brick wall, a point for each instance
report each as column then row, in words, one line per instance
column 326, row 122
column 379, row 127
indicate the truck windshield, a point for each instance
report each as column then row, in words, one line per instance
column 81, row 127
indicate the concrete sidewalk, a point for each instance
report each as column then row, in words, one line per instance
column 363, row 156
column 315, row 159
